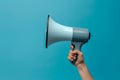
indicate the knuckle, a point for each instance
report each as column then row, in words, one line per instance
column 68, row 57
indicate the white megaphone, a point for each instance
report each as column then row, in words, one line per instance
column 56, row 32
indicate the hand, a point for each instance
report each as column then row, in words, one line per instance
column 82, row 68
column 72, row 56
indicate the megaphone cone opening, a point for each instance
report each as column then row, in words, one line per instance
column 47, row 31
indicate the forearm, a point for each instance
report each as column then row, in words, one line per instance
column 84, row 73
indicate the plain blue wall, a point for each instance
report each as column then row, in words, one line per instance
column 23, row 55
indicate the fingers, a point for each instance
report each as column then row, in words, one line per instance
column 76, row 52
column 72, row 47
column 70, row 58
column 72, row 54
column 75, row 56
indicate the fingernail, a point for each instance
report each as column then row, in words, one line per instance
column 74, row 57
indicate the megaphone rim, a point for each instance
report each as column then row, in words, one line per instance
column 47, row 31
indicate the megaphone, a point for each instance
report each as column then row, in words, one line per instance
column 56, row 32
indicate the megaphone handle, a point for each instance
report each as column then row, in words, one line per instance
column 76, row 45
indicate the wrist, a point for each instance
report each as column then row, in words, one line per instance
column 81, row 65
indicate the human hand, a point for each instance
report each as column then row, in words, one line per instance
column 79, row 63
column 72, row 56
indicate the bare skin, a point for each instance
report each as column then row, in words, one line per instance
column 81, row 66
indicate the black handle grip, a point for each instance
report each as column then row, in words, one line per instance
column 76, row 45
column 74, row 60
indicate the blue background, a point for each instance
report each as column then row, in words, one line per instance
column 23, row 55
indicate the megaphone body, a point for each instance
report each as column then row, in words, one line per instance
column 56, row 32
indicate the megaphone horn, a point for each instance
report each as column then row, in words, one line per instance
column 56, row 32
